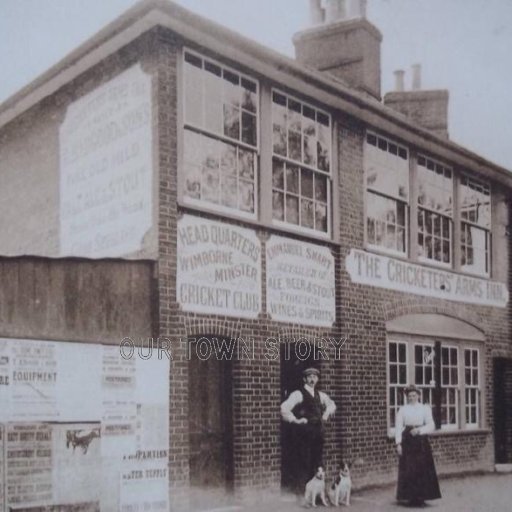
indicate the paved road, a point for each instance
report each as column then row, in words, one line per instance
column 484, row 493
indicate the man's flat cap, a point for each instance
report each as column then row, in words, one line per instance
column 311, row 371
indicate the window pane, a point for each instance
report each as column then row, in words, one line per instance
column 246, row 191
column 321, row 220
column 307, row 183
column 229, row 192
column 309, row 151
column 435, row 186
column 279, row 140
column 323, row 146
column 393, row 374
column 194, row 92
column 278, row 205
column 393, row 352
column 278, row 174
column 292, row 179
column 475, row 199
column 475, row 249
column 249, row 128
column 402, row 374
column 307, row 213
column 321, row 188
column 232, row 91
column 231, row 122
column 213, row 98
column 249, row 97
column 388, row 215
column 228, row 159
column 292, row 209
column 294, row 115
column 294, row 142
column 402, row 353
column 246, row 164
column 386, row 171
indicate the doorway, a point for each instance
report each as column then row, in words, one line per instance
column 293, row 362
column 211, row 426
column 502, row 410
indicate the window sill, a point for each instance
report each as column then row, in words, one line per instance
column 424, row 262
column 443, row 433
column 254, row 223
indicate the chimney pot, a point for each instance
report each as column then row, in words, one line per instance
column 335, row 11
column 316, row 12
column 399, row 80
column 416, row 77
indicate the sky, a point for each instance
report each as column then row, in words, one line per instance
column 463, row 46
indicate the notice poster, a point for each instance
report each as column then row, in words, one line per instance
column 119, row 408
column 76, row 470
column 144, row 482
column 219, row 268
column 29, row 464
column 106, row 169
column 101, row 420
column 33, row 382
column 2, row 462
column 300, row 282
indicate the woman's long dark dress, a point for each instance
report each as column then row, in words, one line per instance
column 417, row 478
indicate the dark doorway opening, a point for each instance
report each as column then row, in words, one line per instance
column 210, row 425
column 503, row 410
column 294, row 361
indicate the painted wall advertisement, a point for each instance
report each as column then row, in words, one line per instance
column 300, row 282
column 106, row 169
column 90, row 432
column 219, row 268
column 393, row 274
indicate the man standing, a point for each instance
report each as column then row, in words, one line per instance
column 307, row 410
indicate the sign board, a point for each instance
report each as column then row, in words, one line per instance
column 393, row 274
column 106, row 169
column 300, row 282
column 219, row 268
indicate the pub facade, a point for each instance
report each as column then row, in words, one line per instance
column 195, row 219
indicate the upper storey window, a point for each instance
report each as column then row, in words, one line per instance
column 387, row 181
column 435, row 211
column 475, row 214
column 221, row 136
column 301, row 169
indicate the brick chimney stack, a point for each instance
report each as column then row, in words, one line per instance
column 428, row 109
column 343, row 43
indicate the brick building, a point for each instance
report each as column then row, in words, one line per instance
column 173, row 180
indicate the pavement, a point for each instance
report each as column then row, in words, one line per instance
column 490, row 492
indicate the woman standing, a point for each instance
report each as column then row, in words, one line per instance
column 417, row 478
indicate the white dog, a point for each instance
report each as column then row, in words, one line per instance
column 341, row 487
column 316, row 488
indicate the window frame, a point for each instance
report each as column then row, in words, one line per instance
column 303, row 166
column 424, row 208
column 411, row 341
column 466, row 222
column 202, row 131
column 406, row 204
column 478, row 367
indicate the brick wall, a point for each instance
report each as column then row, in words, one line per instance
column 363, row 313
